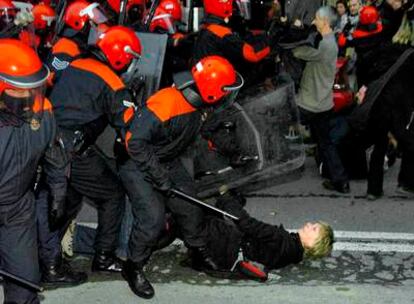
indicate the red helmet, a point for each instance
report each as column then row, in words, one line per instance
column 219, row 8
column 43, row 15
column 120, row 46
column 7, row 12
column 162, row 20
column 172, row 7
column 368, row 15
column 215, row 78
column 79, row 12
column 22, row 73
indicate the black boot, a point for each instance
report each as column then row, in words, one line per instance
column 61, row 274
column 342, row 187
column 106, row 261
column 137, row 281
column 202, row 260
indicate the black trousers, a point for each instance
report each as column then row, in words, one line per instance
column 320, row 127
column 93, row 177
column 406, row 175
column 18, row 249
column 148, row 208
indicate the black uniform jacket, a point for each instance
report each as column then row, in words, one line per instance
column 272, row 246
column 87, row 90
column 21, row 149
column 216, row 38
column 161, row 131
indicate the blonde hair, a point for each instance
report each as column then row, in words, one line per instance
column 323, row 245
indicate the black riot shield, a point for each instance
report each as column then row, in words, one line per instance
column 265, row 129
column 149, row 67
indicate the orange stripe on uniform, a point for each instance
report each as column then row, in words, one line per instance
column 168, row 103
column 47, row 105
column 37, row 106
column 66, row 46
column 101, row 70
column 128, row 136
column 128, row 114
column 219, row 30
column 251, row 55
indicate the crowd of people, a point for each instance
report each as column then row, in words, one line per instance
column 69, row 71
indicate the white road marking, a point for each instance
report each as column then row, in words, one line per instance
column 376, row 247
column 374, row 235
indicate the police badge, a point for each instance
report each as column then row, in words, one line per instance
column 35, row 124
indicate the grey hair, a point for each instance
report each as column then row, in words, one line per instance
column 329, row 13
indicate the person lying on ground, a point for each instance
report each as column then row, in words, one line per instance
column 238, row 247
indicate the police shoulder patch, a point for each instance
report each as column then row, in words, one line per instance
column 59, row 64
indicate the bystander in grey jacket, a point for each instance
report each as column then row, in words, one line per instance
column 315, row 94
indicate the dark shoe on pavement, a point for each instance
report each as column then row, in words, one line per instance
column 202, row 260
column 405, row 191
column 137, row 281
column 374, row 197
column 342, row 187
column 61, row 274
column 106, row 261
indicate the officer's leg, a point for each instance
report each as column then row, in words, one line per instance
column 188, row 215
column 190, row 218
column 110, row 212
column 406, row 174
column 148, row 211
column 18, row 250
column 49, row 241
column 376, row 166
column 55, row 271
column 93, row 178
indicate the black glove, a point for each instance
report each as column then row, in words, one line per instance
column 120, row 151
column 56, row 211
column 87, row 135
column 232, row 203
column 136, row 85
column 165, row 187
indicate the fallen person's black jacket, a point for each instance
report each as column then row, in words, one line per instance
column 272, row 246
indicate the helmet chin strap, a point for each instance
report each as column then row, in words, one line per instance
column 193, row 97
column 185, row 83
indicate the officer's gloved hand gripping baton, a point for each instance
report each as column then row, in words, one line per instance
column 189, row 198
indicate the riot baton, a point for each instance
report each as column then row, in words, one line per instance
column 189, row 198
column 20, row 280
column 122, row 12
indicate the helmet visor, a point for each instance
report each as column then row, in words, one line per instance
column 166, row 22
column 24, row 104
column 94, row 13
column 95, row 32
column 231, row 93
column 131, row 72
column 244, row 8
column 28, row 36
